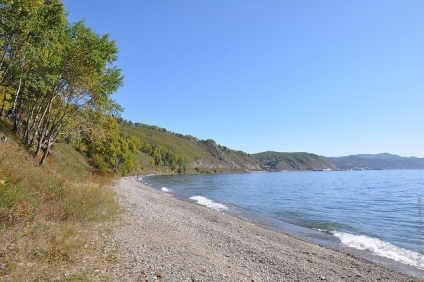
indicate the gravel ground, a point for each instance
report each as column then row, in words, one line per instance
column 162, row 238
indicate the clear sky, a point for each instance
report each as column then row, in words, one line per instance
column 327, row 77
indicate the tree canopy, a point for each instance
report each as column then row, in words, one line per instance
column 50, row 70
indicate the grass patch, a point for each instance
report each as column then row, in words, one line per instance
column 53, row 219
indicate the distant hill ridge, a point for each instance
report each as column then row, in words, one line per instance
column 378, row 161
column 206, row 156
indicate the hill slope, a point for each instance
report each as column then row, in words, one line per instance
column 52, row 216
column 274, row 161
column 378, row 161
column 204, row 156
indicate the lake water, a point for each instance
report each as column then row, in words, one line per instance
column 378, row 211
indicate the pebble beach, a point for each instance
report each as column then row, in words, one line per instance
column 162, row 238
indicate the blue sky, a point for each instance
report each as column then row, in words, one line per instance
column 327, row 77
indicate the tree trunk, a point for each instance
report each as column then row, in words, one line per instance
column 46, row 152
column 39, row 144
column 15, row 101
column 15, row 124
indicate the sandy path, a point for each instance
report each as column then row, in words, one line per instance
column 163, row 238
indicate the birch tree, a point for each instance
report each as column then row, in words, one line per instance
column 85, row 80
column 50, row 70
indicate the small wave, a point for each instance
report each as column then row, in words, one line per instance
column 209, row 203
column 381, row 248
column 167, row 190
column 324, row 230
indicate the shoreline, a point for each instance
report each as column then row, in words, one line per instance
column 162, row 237
column 311, row 235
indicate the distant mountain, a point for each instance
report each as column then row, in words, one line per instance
column 275, row 161
column 378, row 161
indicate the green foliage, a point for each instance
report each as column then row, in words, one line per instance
column 50, row 70
column 163, row 156
column 99, row 137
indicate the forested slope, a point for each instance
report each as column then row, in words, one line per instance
column 198, row 156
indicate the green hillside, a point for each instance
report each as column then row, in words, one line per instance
column 201, row 156
column 274, row 161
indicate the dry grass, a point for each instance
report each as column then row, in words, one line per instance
column 54, row 220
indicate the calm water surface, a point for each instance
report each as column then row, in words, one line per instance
column 377, row 211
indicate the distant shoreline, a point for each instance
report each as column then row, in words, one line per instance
column 163, row 237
